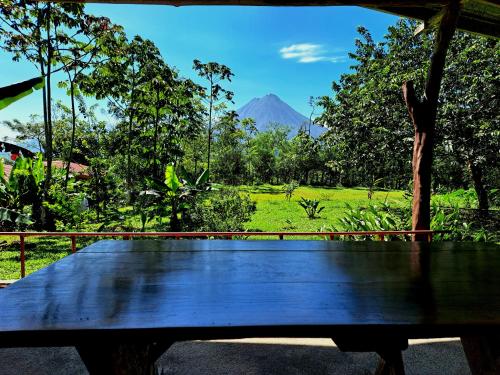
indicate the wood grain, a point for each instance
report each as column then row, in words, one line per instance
column 122, row 291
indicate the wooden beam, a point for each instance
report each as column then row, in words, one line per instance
column 483, row 354
column 431, row 23
column 478, row 16
column 423, row 115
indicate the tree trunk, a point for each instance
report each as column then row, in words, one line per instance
column 73, row 130
column 46, row 218
column 423, row 115
column 155, row 140
column 210, row 128
column 477, row 178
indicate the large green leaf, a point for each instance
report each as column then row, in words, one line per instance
column 10, row 94
column 203, row 178
column 171, row 179
column 2, row 171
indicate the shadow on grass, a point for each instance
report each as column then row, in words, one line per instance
column 261, row 189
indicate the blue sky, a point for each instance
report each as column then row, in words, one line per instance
column 289, row 51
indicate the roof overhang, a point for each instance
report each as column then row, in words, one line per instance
column 477, row 16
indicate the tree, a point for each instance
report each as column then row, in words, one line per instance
column 32, row 30
column 229, row 142
column 368, row 121
column 468, row 122
column 119, row 79
column 78, row 57
column 214, row 73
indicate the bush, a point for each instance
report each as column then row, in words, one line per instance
column 222, row 210
column 462, row 224
column 375, row 217
column 311, row 207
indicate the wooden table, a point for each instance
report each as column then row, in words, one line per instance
column 122, row 303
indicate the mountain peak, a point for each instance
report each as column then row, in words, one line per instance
column 272, row 109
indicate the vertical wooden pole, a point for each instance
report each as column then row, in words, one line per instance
column 73, row 244
column 23, row 260
column 483, row 354
column 423, row 115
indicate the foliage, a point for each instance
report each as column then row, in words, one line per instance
column 214, row 73
column 311, row 206
column 69, row 206
column 463, row 226
column 23, row 191
column 374, row 217
column 223, row 210
column 370, row 133
column 459, row 225
column 288, row 189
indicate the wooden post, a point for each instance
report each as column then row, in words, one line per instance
column 23, row 260
column 423, row 115
column 483, row 354
column 73, row 244
column 390, row 363
column 115, row 358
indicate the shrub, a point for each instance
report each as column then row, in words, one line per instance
column 375, row 217
column 311, row 206
column 222, row 210
column 288, row 189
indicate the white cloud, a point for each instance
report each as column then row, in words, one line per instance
column 309, row 53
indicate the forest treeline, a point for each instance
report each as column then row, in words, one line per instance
column 155, row 117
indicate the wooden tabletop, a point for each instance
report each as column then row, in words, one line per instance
column 193, row 289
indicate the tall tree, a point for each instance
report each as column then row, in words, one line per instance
column 31, row 30
column 84, row 51
column 214, row 73
column 119, row 79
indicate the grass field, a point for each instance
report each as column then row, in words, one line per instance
column 274, row 213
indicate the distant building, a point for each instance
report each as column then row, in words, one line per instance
column 79, row 171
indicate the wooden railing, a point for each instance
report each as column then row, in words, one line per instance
column 380, row 235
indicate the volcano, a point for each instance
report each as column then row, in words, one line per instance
column 271, row 109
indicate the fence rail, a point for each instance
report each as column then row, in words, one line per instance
column 380, row 235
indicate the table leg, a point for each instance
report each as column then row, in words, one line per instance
column 390, row 363
column 388, row 348
column 483, row 354
column 121, row 359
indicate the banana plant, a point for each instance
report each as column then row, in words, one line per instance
column 181, row 191
column 23, row 188
column 311, row 206
column 12, row 93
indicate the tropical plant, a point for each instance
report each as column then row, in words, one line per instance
column 23, row 189
column 311, row 206
column 374, row 217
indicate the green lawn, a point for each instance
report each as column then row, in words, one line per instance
column 275, row 213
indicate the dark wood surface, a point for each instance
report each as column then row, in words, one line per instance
column 134, row 290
